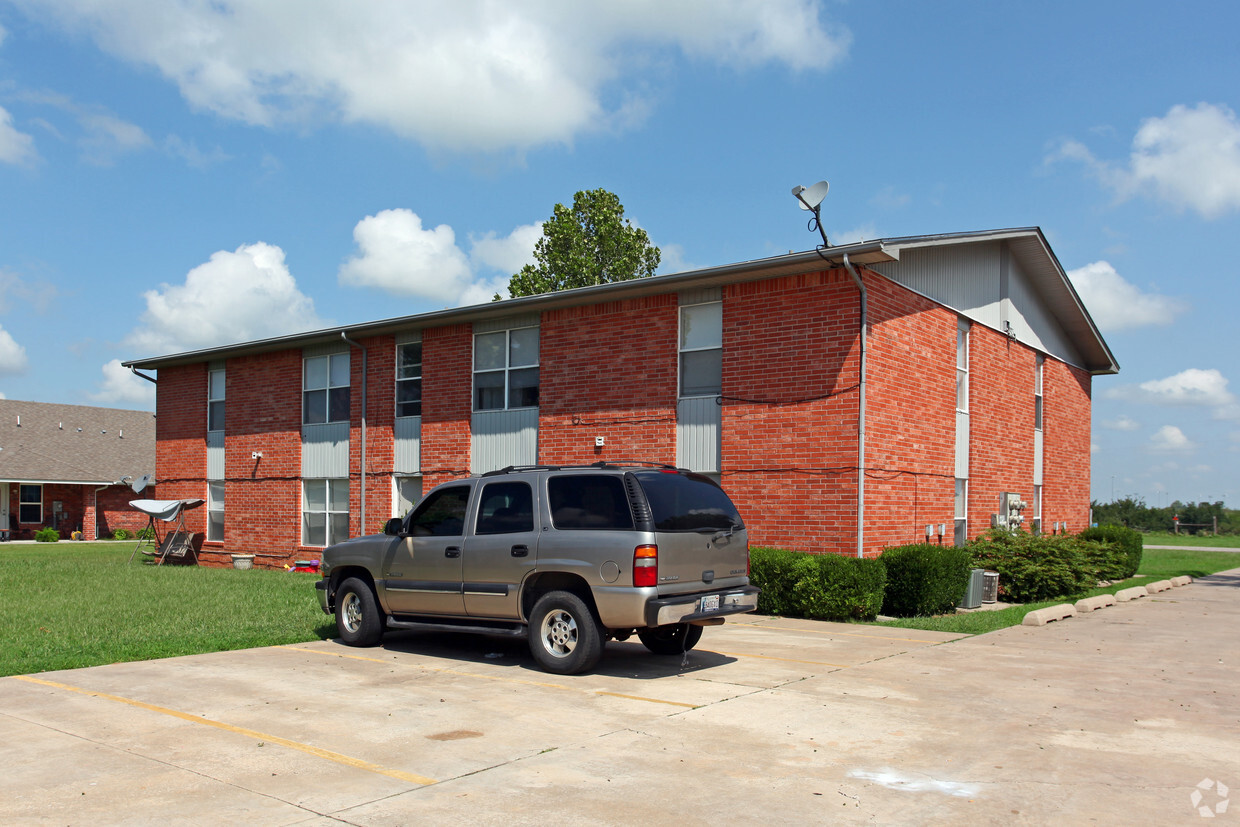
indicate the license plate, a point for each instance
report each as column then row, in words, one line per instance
column 710, row 603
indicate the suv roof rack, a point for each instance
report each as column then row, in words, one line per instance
column 601, row 464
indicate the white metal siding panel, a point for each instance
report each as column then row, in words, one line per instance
column 521, row 320
column 962, row 444
column 412, row 337
column 408, row 450
column 325, row 450
column 1033, row 322
column 215, row 455
column 701, row 295
column 324, row 350
column 698, row 423
column 502, row 438
column 1038, row 453
column 964, row 277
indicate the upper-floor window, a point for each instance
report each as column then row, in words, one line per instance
column 701, row 349
column 1037, row 393
column 409, row 379
column 506, row 369
column 215, row 400
column 325, row 389
column 962, row 366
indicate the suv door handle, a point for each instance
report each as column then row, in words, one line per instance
column 520, row 551
column 452, row 551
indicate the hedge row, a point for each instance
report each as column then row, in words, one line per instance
column 926, row 579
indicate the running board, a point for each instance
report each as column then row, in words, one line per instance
column 506, row 630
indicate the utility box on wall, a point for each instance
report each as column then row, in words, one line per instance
column 1011, row 514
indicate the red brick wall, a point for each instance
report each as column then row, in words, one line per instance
column 111, row 508
column 180, row 438
column 1066, row 440
column 447, row 388
column 609, row 370
column 380, row 438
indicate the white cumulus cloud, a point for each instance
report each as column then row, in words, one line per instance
column 121, row 386
column 1192, row 387
column 12, row 355
column 471, row 75
column 234, row 297
column 1171, row 440
column 1189, row 158
column 1122, row 423
column 15, row 147
column 1116, row 304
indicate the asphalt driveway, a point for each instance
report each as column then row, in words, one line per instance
column 1116, row 717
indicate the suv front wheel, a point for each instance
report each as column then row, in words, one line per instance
column 358, row 618
column 564, row 636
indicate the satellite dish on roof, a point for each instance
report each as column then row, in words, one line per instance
column 139, row 484
column 811, row 197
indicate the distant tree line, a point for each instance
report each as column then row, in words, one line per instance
column 1195, row 518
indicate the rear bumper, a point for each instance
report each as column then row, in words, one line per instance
column 687, row 608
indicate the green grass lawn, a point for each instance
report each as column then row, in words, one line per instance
column 1156, row 564
column 1166, row 538
column 69, row 605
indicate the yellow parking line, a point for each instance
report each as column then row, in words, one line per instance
column 249, row 733
column 501, row 678
column 787, row 660
column 833, row 633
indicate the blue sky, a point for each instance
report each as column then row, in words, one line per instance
column 176, row 175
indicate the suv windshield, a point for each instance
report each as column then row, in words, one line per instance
column 687, row 502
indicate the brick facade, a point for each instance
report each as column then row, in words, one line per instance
column 788, row 419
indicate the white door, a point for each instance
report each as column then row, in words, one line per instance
column 4, row 506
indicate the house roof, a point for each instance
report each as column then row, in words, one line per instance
column 1048, row 274
column 46, row 443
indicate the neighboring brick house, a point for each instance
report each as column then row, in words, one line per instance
column 70, row 467
column 975, row 380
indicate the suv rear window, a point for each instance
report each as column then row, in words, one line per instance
column 589, row 501
column 687, row 502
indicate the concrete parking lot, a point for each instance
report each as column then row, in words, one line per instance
column 1114, row 717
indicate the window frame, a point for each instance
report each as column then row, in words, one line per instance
column 330, row 392
column 960, row 512
column 23, row 503
column 329, row 534
column 962, row 366
column 507, row 370
column 682, row 350
column 397, row 511
column 1039, row 394
column 215, row 506
column 213, row 401
column 408, row 380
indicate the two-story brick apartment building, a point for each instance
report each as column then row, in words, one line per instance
column 846, row 398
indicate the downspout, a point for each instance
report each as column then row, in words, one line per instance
column 362, row 474
column 860, row 415
column 150, row 379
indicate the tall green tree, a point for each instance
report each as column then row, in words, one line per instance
column 590, row 243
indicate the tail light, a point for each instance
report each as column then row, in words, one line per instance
column 646, row 566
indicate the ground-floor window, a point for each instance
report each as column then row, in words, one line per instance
column 961, row 534
column 215, row 512
column 1036, row 524
column 30, row 508
column 324, row 512
column 406, row 491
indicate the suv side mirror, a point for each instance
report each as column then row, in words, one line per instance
column 393, row 526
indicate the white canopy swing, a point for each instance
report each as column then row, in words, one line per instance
column 177, row 541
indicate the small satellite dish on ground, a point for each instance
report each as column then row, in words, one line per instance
column 139, row 484
column 811, row 197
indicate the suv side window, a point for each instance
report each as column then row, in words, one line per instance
column 589, row 501
column 441, row 514
column 506, row 508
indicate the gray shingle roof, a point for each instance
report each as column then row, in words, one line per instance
column 74, row 443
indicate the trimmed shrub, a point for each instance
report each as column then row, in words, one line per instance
column 47, row 535
column 1107, row 561
column 924, row 579
column 122, row 534
column 817, row 586
column 1126, row 539
column 1033, row 568
column 147, row 533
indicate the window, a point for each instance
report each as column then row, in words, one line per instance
column 962, row 366
column 1037, row 393
column 215, row 512
column 215, row 400
column 687, row 502
column 409, row 379
column 506, row 369
column 30, row 509
column 408, row 491
column 960, row 536
column 589, row 501
column 441, row 514
column 701, row 349
column 1036, row 528
column 324, row 512
column 325, row 389
column 506, row 508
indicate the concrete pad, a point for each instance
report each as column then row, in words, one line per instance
column 1124, row 595
column 1091, row 604
column 1158, row 586
column 1182, row 580
column 1112, row 719
column 1041, row 617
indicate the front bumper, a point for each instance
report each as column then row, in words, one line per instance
column 687, row 608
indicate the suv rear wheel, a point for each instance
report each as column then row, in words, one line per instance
column 564, row 636
column 357, row 614
column 672, row 639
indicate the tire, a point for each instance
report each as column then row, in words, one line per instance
column 358, row 618
column 565, row 638
column 673, row 639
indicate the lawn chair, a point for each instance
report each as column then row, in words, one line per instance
column 176, row 542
